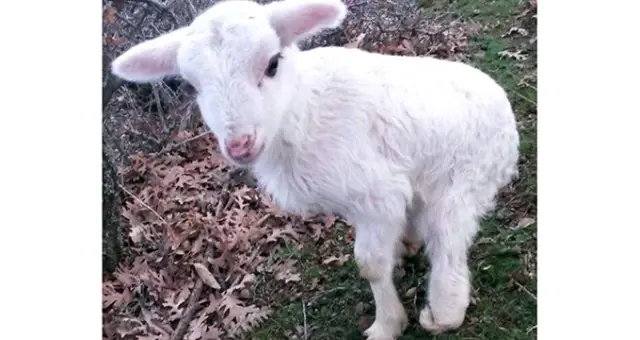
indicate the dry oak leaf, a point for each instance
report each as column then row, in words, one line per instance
column 213, row 306
column 411, row 292
column 197, row 327
column 407, row 46
column 288, row 277
column 356, row 43
column 114, row 41
column 206, row 276
column 126, row 279
column 314, row 283
column 246, row 280
column 330, row 221
column 153, row 323
column 317, row 230
column 116, row 299
column 136, row 234
column 280, row 233
column 130, row 326
column 212, row 333
column 523, row 32
column 151, row 337
column 204, row 333
column 110, row 16
column 525, row 222
column 338, row 260
column 517, row 55
column 287, row 272
column 181, row 135
column 174, row 301
column 240, row 318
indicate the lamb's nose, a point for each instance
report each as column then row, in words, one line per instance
column 239, row 146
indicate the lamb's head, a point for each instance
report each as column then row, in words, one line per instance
column 240, row 56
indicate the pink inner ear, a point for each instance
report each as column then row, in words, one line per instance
column 151, row 59
column 301, row 20
column 148, row 65
column 312, row 16
column 146, row 62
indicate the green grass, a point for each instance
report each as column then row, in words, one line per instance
column 503, row 258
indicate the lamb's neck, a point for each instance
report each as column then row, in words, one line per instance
column 299, row 115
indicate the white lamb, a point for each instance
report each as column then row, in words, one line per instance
column 407, row 149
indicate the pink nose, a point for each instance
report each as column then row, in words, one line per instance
column 240, row 146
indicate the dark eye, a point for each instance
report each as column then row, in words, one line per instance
column 273, row 66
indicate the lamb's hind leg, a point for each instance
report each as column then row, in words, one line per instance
column 413, row 236
column 375, row 248
column 450, row 229
column 374, row 252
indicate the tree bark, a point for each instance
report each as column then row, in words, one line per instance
column 112, row 246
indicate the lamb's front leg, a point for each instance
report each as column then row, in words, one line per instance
column 374, row 249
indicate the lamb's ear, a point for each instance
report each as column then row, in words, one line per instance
column 294, row 20
column 150, row 60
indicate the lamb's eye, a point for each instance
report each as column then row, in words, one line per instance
column 273, row 66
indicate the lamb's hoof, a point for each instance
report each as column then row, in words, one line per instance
column 379, row 332
column 406, row 250
column 430, row 325
column 386, row 331
column 411, row 249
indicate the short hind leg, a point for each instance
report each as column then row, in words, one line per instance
column 412, row 238
column 450, row 229
column 378, row 231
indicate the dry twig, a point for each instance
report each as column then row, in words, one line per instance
column 190, row 311
column 525, row 290
column 177, row 145
column 359, row 3
column 142, row 202
column 526, row 99
column 304, row 316
column 323, row 293
column 156, row 95
column 224, row 200
column 163, row 9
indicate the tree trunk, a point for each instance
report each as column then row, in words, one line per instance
column 111, row 204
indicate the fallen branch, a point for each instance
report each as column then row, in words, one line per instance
column 177, row 145
column 192, row 305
